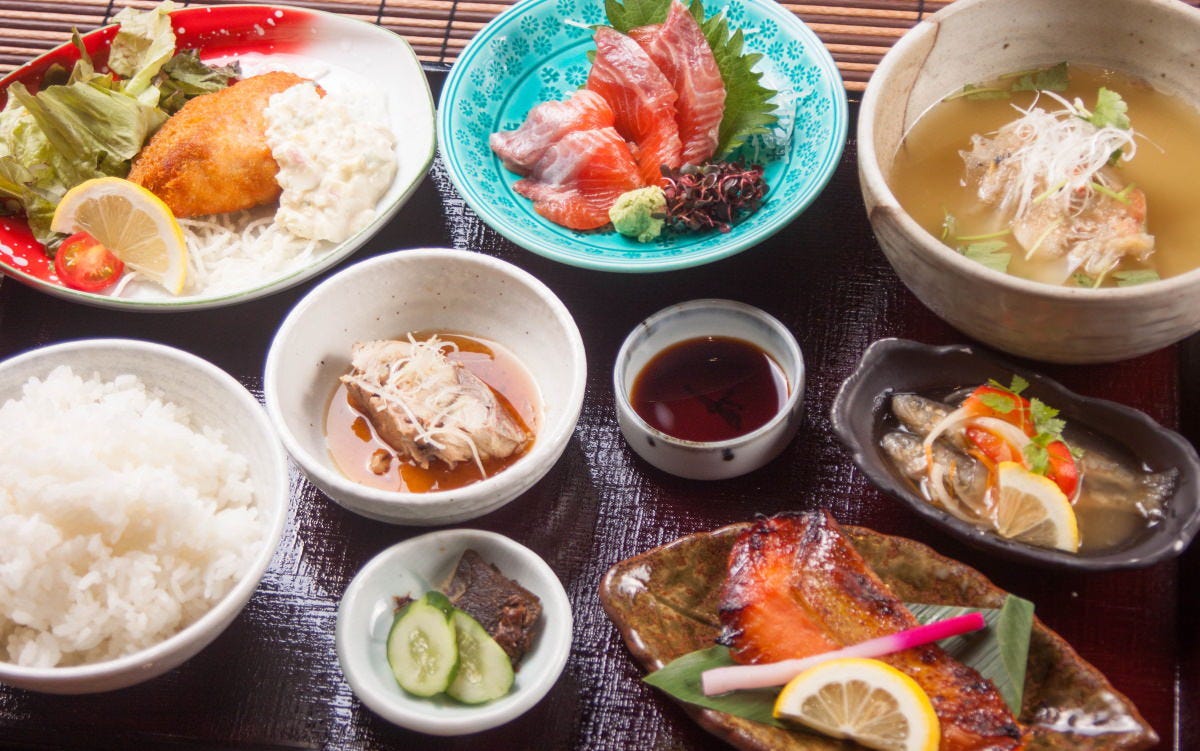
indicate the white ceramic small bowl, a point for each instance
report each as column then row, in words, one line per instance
column 428, row 289
column 977, row 40
column 709, row 460
column 214, row 399
column 413, row 567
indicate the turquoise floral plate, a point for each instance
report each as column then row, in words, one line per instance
column 537, row 51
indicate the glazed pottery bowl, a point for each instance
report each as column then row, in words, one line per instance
column 215, row 400
column 366, row 613
column 709, row 460
column 977, row 40
column 423, row 290
column 889, row 367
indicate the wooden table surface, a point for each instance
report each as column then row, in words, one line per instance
column 272, row 680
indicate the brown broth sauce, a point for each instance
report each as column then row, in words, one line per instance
column 352, row 440
column 928, row 172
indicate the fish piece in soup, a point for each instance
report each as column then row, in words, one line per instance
column 428, row 407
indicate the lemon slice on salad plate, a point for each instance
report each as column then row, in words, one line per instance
column 131, row 222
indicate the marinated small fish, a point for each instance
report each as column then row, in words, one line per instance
column 1108, row 482
column 428, row 407
column 964, row 478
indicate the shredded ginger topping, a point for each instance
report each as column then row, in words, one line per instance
column 1050, row 173
column 441, row 420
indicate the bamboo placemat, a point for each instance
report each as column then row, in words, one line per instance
column 857, row 32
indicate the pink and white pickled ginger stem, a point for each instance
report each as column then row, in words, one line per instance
column 736, row 677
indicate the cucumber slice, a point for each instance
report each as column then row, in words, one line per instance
column 484, row 670
column 421, row 648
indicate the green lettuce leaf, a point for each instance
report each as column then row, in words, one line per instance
column 142, row 46
column 999, row 652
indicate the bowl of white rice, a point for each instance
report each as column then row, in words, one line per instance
column 142, row 496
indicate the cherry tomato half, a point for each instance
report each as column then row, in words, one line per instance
column 84, row 264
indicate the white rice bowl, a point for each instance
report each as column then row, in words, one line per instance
column 142, row 494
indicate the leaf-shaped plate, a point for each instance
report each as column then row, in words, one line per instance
column 665, row 604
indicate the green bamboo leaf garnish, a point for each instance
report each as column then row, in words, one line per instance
column 998, row 652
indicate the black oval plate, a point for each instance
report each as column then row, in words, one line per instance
column 892, row 366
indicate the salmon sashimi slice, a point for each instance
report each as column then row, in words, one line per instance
column 642, row 99
column 836, row 600
column 545, row 124
column 580, row 177
column 678, row 47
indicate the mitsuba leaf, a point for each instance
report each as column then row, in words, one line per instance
column 989, row 254
column 1110, row 109
column 1055, row 78
column 1134, row 277
column 998, row 652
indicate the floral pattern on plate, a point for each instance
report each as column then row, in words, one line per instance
column 537, row 52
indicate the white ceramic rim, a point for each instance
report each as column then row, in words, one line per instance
column 872, row 174
column 621, row 388
column 549, row 446
column 235, row 598
column 556, row 638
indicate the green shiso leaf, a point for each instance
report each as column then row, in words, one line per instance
column 748, row 107
column 998, row 653
column 634, row 13
column 989, row 254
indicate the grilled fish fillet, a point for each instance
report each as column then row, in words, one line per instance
column 797, row 587
column 212, row 156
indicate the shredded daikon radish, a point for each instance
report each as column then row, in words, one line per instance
column 233, row 252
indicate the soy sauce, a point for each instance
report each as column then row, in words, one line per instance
column 709, row 389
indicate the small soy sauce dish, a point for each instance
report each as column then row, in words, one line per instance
column 889, row 367
column 709, row 389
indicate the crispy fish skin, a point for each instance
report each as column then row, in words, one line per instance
column 834, row 594
column 212, row 156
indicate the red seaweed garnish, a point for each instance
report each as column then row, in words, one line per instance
column 713, row 195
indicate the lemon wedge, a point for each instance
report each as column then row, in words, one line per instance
column 1033, row 509
column 131, row 222
column 866, row 701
